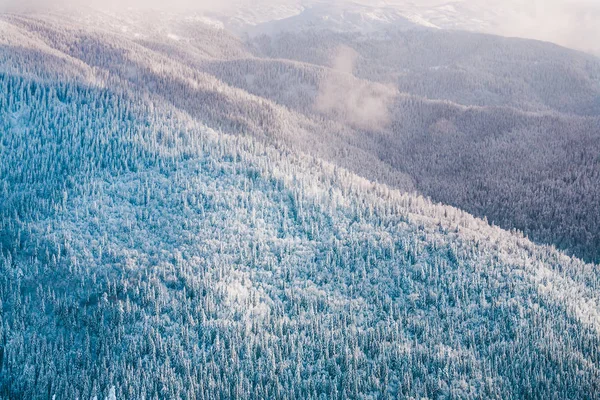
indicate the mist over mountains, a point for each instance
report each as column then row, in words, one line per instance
column 269, row 204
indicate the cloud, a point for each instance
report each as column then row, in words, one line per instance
column 362, row 104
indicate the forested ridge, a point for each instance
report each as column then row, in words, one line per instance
column 144, row 254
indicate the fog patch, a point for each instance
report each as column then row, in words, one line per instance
column 361, row 104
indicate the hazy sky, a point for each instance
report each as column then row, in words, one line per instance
column 574, row 23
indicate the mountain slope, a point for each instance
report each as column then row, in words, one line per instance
column 462, row 67
column 483, row 123
column 501, row 128
column 144, row 255
column 475, row 121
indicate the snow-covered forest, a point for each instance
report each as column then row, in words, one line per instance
column 185, row 214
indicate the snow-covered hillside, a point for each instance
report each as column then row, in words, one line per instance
column 160, row 259
column 164, row 233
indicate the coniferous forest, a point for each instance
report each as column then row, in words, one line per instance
column 187, row 214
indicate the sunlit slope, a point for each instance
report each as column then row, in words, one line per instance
column 146, row 256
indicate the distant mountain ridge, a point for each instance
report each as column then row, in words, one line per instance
column 569, row 23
